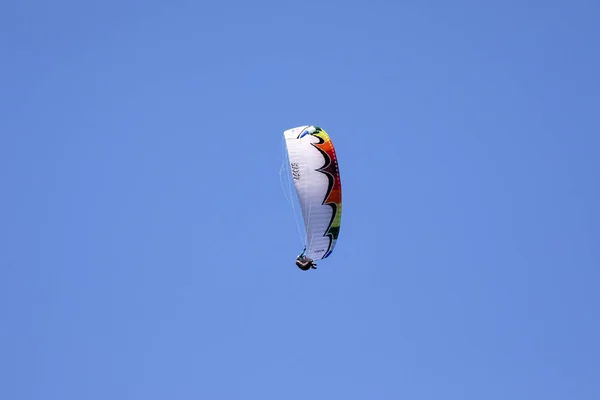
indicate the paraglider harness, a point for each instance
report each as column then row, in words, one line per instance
column 305, row 263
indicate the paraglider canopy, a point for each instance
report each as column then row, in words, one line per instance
column 315, row 172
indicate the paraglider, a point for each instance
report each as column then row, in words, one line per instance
column 305, row 263
column 315, row 172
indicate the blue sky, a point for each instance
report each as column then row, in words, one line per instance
column 148, row 250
